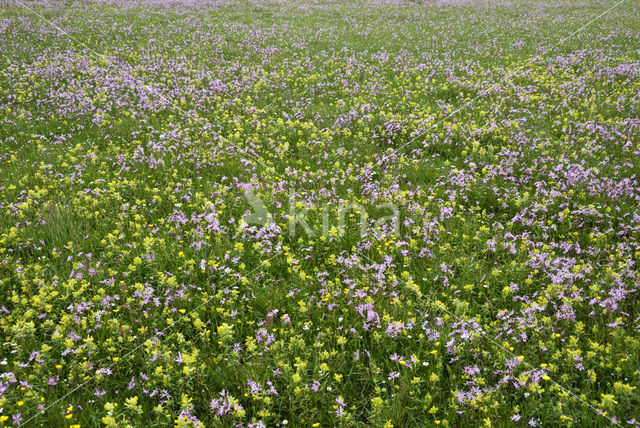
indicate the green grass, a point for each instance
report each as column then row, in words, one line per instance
column 504, row 134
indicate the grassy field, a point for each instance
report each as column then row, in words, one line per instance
column 319, row 213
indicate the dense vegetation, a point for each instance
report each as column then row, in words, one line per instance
column 453, row 209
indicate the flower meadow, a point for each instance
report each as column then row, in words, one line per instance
column 319, row 213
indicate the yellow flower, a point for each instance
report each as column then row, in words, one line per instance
column 129, row 402
column 109, row 421
column 608, row 400
column 377, row 402
column 225, row 331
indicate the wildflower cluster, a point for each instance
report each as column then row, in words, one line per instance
column 137, row 287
